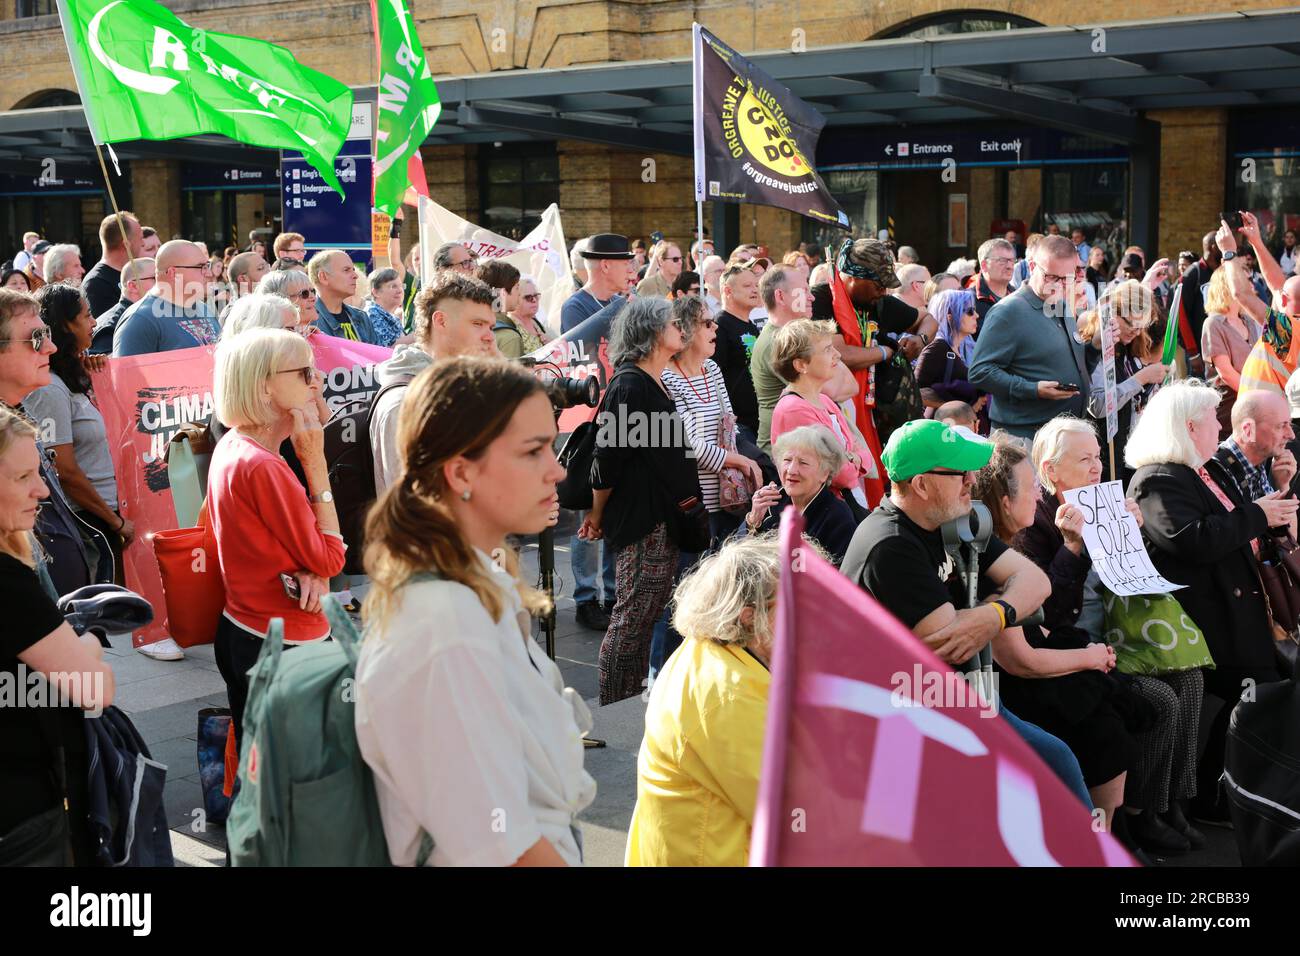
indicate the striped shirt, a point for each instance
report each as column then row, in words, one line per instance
column 701, row 402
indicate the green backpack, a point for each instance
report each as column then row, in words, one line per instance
column 306, row 796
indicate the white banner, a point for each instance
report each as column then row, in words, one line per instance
column 541, row 254
column 1108, row 360
column 1114, row 541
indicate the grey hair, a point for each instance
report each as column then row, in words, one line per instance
column 576, row 258
column 442, row 257
column 57, row 258
column 1161, row 437
column 711, row 598
column 636, row 328
column 380, row 276
column 131, row 270
column 688, row 312
column 910, row 253
column 989, row 246
column 1049, row 444
column 286, row 283
column 817, row 439
column 257, row 310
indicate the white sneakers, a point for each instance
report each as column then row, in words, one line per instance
column 164, row 650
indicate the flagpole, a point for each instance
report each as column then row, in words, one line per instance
column 112, row 198
column 699, row 235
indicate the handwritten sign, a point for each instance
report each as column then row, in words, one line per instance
column 1114, row 541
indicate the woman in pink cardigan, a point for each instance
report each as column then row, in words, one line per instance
column 804, row 355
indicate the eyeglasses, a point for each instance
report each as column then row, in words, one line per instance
column 1048, row 277
column 305, row 294
column 204, row 268
column 467, row 264
column 39, row 337
column 1002, row 260
column 535, row 297
column 709, row 323
column 947, row 474
column 308, row 373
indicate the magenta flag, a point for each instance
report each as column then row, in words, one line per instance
column 879, row 754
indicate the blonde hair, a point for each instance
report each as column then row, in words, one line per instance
column 1219, row 297
column 244, row 364
column 1129, row 300
column 13, row 428
column 258, row 310
column 712, row 596
column 411, row 530
column 795, row 340
column 1161, row 436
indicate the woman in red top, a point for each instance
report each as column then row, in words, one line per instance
column 265, row 525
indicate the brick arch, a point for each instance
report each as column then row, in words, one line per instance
column 951, row 10
column 50, row 96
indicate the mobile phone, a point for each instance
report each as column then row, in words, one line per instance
column 1233, row 219
column 1068, row 387
column 292, row 589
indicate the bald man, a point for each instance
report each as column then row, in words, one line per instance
column 1255, row 456
column 246, row 271
column 173, row 315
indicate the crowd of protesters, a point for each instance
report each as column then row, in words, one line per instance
column 855, row 385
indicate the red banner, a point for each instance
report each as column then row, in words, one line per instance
column 145, row 399
column 878, row 754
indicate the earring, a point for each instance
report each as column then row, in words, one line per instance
column 464, row 495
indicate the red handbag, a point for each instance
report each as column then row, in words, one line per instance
column 193, row 589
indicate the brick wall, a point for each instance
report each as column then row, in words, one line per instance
column 1193, row 154
column 156, row 194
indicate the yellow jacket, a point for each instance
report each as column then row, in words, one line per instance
column 697, row 772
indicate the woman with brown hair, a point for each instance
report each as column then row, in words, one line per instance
column 1137, row 365
column 473, row 737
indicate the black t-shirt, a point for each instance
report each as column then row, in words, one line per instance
column 103, row 287
column 735, row 345
column 891, row 314
column 905, row 567
column 30, row 615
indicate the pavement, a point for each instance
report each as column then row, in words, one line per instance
column 163, row 699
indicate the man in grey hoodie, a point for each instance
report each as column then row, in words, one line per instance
column 452, row 317
column 1027, row 355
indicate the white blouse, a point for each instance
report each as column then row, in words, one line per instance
column 470, row 731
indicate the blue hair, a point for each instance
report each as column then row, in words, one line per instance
column 948, row 307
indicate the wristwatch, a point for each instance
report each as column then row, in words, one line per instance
column 1009, row 610
column 324, row 498
column 395, row 230
column 1229, row 255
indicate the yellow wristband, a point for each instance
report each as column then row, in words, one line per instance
column 1002, row 614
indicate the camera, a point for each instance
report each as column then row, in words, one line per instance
column 564, row 392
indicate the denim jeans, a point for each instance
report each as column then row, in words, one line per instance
column 1052, row 751
column 583, row 556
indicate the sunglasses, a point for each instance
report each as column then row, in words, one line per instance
column 308, row 373
column 535, row 297
column 39, row 337
column 305, row 294
column 672, row 259
column 947, row 474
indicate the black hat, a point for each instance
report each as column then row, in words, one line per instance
column 606, row 245
column 1132, row 263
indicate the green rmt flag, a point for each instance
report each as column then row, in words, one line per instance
column 408, row 100
column 146, row 74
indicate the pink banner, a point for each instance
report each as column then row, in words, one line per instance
column 878, row 754
column 145, row 399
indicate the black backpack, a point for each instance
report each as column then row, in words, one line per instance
column 574, row 489
column 351, row 465
column 1262, row 775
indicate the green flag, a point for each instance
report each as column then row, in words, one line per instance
column 146, row 74
column 408, row 100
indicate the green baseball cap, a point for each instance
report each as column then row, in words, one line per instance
column 925, row 444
